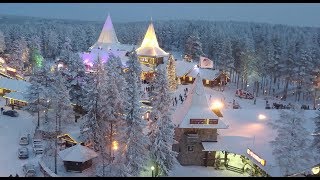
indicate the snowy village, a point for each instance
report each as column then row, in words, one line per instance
column 158, row 98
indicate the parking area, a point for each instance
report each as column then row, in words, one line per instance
column 11, row 129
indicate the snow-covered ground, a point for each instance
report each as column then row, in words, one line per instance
column 11, row 128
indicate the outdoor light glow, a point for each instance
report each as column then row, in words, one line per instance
column 315, row 170
column 217, row 105
column 247, row 85
column 261, row 116
column 114, row 145
column 152, row 168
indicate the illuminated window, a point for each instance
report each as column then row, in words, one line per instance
column 11, row 101
column 207, row 81
column 190, row 78
column 190, row 148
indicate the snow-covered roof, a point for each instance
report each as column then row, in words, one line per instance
column 183, row 67
column 209, row 74
column 196, row 107
column 246, row 124
column 14, row 85
column 16, row 95
column 234, row 144
column 150, row 45
column 91, row 57
column 77, row 153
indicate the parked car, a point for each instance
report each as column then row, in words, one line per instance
column 23, row 153
column 37, row 146
column 24, row 140
column 29, row 170
column 11, row 113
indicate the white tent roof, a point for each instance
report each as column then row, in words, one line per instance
column 183, row 67
column 77, row 153
column 204, row 73
column 150, row 46
column 196, row 107
column 16, row 95
column 108, row 34
column 14, row 85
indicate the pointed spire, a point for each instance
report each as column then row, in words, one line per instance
column 108, row 34
column 150, row 45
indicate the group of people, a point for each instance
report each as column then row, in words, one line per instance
column 181, row 98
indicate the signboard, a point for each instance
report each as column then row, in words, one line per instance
column 205, row 62
column 256, row 157
column 203, row 121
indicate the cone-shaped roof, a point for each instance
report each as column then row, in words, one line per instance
column 108, row 34
column 196, row 107
column 150, row 45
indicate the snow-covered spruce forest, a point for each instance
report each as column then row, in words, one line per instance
column 264, row 55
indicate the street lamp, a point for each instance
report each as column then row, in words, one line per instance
column 261, row 116
column 217, row 105
column 152, row 169
column 114, row 148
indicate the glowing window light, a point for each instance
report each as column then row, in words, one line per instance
column 11, row 69
column 261, row 116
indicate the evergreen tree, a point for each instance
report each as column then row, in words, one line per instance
column 137, row 141
column 161, row 129
column 60, row 100
column 171, row 71
column 193, row 47
column 291, row 147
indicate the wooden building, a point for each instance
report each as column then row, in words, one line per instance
column 210, row 77
column 149, row 52
column 14, row 91
column 196, row 124
column 77, row 158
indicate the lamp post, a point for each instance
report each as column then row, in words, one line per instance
column 114, row 148
column 152, row 169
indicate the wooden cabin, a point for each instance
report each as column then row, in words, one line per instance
column 77, row 158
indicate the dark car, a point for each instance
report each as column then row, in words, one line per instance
column 11, row 113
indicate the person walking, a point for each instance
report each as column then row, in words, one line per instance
column 1, row 110
column 175, row 99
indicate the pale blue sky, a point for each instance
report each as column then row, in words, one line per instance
column 300, row 14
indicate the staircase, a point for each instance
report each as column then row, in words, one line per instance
column 235, row 169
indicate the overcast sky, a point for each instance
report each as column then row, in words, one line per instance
column 299, row 14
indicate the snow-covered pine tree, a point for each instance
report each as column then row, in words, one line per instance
column 292, row 146
column 60, row 101
column 19, row 53
column 66, row 50
column 137, row 142
column 112, row 109
column 75, row 74
column 35, row 96
column 171, row 71
column 193, row 46
column 161, row 129
column 2, row 43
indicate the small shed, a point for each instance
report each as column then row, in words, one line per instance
column 77, row 158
